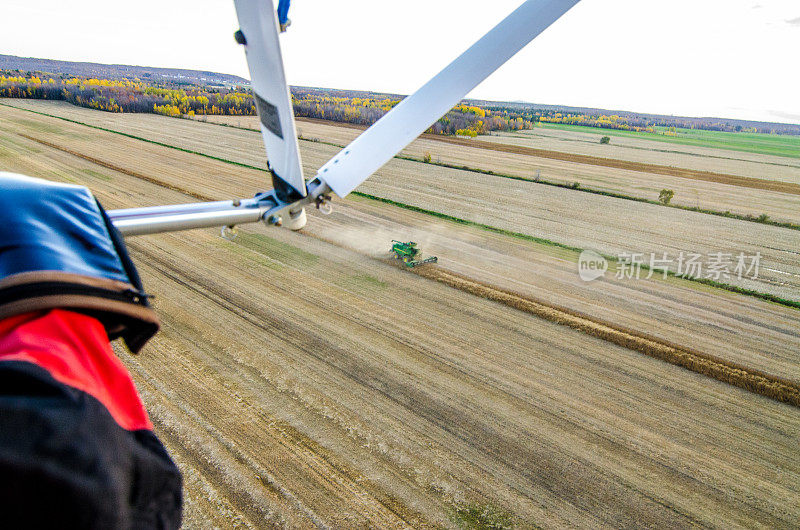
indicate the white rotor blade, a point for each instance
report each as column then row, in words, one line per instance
column 258, row 23
column 398, row 128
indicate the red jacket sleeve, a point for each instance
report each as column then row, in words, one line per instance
column 74, row 349
column 74, row 432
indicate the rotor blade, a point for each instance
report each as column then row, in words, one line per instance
column 258, row 24
column 398, row 128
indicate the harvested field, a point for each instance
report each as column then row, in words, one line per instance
column 609, row 225
column 174, row 169
column 180, row 171
column 348, row 222
column 374, row 397
column 242, row 146
column 606, row 224
column 762, row 335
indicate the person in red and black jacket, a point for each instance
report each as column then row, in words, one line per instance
column 77, row 449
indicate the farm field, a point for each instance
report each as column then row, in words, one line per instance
column 606, row 224
column 583, row 141
column 374, row 397
column 461, row 151
column 644, row 150
column 579, row 141
column 763, row 199
column 548, row 272
column 748, row 142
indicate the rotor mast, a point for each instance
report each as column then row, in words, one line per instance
column 364, row 155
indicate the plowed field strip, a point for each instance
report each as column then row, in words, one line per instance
column 708, row 176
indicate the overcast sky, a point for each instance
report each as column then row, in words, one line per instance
column 728, row 58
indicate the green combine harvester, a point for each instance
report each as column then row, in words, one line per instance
column 408, row 253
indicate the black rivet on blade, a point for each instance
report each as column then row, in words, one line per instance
column 239, row 37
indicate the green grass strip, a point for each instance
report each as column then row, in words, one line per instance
column 739, row 290
column 518, row 235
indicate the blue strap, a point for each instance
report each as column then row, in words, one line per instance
column 283, row 11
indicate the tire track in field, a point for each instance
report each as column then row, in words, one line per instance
column 750, row 379
column 179, row 451
column 252, row 504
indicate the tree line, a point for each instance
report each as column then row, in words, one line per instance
column 135, row 95
column 365, row 110
column 128, row 95
column 361, row 108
